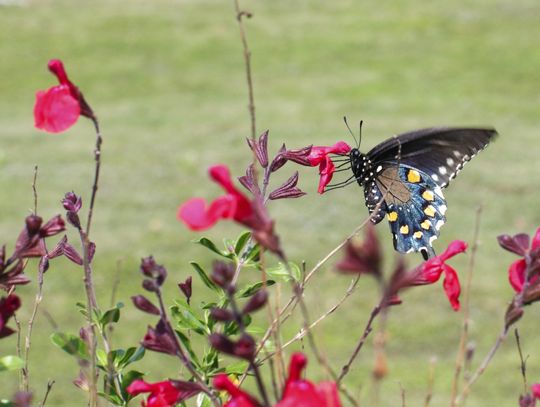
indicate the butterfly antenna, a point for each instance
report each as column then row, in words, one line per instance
column 360, row 133
column 350, row 131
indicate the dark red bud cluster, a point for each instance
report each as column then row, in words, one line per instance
column 243, row 348
column 156, row 273
column 144, row 304
column 260, row 148
column 159, row 339
column 72, row 204
column 288, row 189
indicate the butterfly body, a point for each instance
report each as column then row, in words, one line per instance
column 403, row 178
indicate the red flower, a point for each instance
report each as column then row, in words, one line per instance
column 239, row 398
column 162, row 394
column 430, row 272
column 298, row 392
column 197, row 215
column 319, row 156
column 59, row 107
column 535, row 389
column 519, row 244
column 8, row 306
column 303, row 393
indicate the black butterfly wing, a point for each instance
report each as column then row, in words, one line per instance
column 439, row 152
column 411, row 184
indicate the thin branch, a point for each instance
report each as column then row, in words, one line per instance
column 402, row 391
column 18, row 347
column 462, row 349
column 97, row 158
column 247, row 60
column 483, row 366
column 367, row 330
column 34, row 189
column 431, row 381
column 50, row 384
column 28, row 341
column 523, row 362
column 302, row 333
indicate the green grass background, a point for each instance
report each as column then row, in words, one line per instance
column 167, row 79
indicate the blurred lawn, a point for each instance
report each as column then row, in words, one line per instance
column 167, row 80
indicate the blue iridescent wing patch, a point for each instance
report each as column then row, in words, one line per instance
column 415, row 207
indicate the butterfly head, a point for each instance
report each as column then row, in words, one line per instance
column 360, row 166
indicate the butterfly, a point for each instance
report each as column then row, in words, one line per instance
column 403, row 178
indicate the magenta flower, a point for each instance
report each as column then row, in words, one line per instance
column 320, row 156
column 162, row 394
column 430, row 271
column 59, row 107
column 535, row 390
column 530, row 252
column 197, row 215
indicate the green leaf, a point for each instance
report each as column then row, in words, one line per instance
column 279, row 271
column 253, row 288
column 237, row 368
column 203, row 241
column 82, row 308
column 187, row 320
column 6, row 403
column 204, row 277
column 255, row 330
column 112, row 398
column 131, row 355
column 241, row 242
column 111, row 316
column 187, row 344
column 101, row 356
column 252, row 256
column 11, row 363
column 71, row 344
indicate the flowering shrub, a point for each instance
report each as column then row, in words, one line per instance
column 233, row 352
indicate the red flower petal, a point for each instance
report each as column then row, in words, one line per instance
column 328, row 392
column 535, row 389
column 319, row 153
column 451, row 286
column 456, row 247
column 536, row 240
column 197, row 216
column 326, row 171
column 239, row 398
column 138, row 386
column 56, row 109
column 162, row 394
column 516, row 274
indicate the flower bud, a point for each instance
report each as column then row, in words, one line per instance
column 256, row 302
column 222, row 273
column 143, row 304
column 245, row 347
column 221, row 315
column 185, row 287
column 33, row 224
column 72, row 202
column 221, row 343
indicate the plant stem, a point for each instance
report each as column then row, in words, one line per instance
column 37, row 301
column 483, row 366
column 50, row 384
column 367, row 331
column 247, row 61
column 182, row 355
column 238, row 317
column 97, row 158
column 460, row 357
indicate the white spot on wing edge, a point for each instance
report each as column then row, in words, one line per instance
column 432, row 239
column 442, row 170
column 435, row 177
column 442, row 209
column 439, row 224
column 450, row 162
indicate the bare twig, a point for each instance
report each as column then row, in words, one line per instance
column 402, row 391
column 28, row 341
column 50, row 384
column 240, row 14
column 302, row 333
column 523, row 362
column 35, row 190
column 431, row 381
column 97, row 158
column 485, row 363
column 18, row 346
column 367, row 330
column 460, row 357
